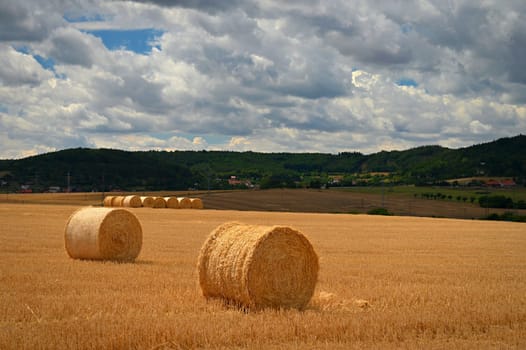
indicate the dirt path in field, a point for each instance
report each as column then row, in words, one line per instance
column 332, row 201
column 287, row 200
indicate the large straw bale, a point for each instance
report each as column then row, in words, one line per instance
column 147, row 201
column 117, row 201
column 107, row 201
column 132, row 202
column 196, row 203
column 171, row 202
column 158, row 202
column 103, row 234
column 258, row 266
column 184, row 202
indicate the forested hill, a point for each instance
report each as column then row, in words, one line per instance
column 107, row 169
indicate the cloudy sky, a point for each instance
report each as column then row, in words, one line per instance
column 271, row 76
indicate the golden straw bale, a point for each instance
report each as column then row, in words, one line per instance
column 184, row 202
column 147, row 201
column 158, row 202
column 171, row 202
column 107, row 201
column 258, row 266
column 132, row 202
column 117, row 201
column 103, row 234
column 196, row 203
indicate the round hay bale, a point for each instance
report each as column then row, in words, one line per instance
column 107, row 201
column 132, row 202
column 158, row 202
column 184, row 202
column 103, row 234
column 117, row 201
column 147, row 201
column 196, row 203
column 171, row 202
column 258, row 266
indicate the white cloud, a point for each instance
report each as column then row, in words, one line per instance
column 264, row 76
column 70, row 46
column 477, row 127
column 18, row 68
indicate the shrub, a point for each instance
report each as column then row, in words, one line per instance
column 507, row 216
column 495, row 202
column 379, row 211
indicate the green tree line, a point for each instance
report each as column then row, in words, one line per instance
column 107, row 169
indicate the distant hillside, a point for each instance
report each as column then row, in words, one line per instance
column 106, row 169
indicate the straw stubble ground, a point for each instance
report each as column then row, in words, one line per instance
column 430, row 283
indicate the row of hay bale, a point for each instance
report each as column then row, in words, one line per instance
column 252, row 266
column 134, row 201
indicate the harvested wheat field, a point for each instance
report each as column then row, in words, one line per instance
column 383, row 282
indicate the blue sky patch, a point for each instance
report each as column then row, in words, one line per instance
column 406, row 28
column 80, row 19
column 22, row 49
column 137, row 40
column 46, row 63
column 407, row 82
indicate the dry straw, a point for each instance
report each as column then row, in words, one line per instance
column 331, row 302
column 147, row 201
column 196, row 203
column 117, row 201
column 107, row 201
column 132, row 202
column 171, row 202
column 158, row 202
column 258, row 266
column 184, row 202
column 103, row 234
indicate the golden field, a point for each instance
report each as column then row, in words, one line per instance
column 429, row 284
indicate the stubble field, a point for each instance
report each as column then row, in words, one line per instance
column 429, row 283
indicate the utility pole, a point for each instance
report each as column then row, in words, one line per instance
column 69, row 182
column 103, row 185
column 208, row 176
column 383, row 195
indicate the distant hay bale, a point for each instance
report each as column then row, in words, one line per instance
column 184, row 202
column 171, row 202
column 158, row 202
column 258, row 266
column 147, row 201
column 103, row 234
column 107, row 201
column 132, row 202
column 117, row 201
column 196, row 203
